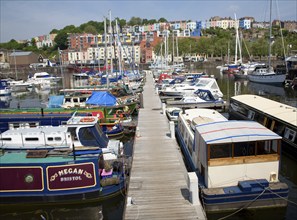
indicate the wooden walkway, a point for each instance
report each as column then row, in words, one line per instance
column 158, row 182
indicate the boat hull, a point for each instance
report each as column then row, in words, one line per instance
column 261, row 195
column 51, row 182
column 271, row 78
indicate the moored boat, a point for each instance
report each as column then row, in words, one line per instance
column 79, row 131
column 4, row 88
column 237, row 162
column 57, row 177
column 276, row 116
column 60, row 164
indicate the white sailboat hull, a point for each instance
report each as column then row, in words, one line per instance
column 269, row 78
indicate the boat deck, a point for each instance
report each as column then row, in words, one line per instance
column 158, row 182
column 180, row 104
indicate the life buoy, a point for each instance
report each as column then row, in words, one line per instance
column 119, row 113
column 87, row 119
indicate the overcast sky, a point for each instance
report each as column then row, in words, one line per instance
column 29, row 18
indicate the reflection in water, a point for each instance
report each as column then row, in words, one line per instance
column 78, row 212
column 4, row 101
column 266, row 89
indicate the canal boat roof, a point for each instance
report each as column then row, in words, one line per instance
column 235, row 131
column 22, row 157
column 283, row 112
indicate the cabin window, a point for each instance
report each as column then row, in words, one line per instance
column 83, row 99
column 244, row 149
column 251, row 114
column 86, row 134
column 58, row 138
column 14, row 125
column 290, row 134
column 220, row 151
column 266, row 147
column 73, row 133
column 75, row 100
column 5, row 139
column 31, row 139
column 67, row 99
column 50, row 139
column 33, row 125
column 191, row 144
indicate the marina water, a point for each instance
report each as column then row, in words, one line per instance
column 113, row 208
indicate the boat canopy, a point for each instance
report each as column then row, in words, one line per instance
column 234, row 131
column 102, row 98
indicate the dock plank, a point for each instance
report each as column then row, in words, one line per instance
column 158, row 181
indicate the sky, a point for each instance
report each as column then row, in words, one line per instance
column 24, row 19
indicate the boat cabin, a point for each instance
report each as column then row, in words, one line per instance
column 232, row 151
column 78, row 132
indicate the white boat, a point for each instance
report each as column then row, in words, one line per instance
column 4, row 88
column 267, row 75
column 202, row 98
column 237, row 162
column 79, row 133
column 172, row 113
column 186, row 89
column 246, row 69
column 43, row 77
column 20, row 86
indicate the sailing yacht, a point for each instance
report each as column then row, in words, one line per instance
column 267, row 74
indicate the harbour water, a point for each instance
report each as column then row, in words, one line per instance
column 113, row 209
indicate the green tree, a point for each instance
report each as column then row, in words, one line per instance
column 121, row 22
column 33, row 42
column 135, row 21
column 152, row 21
column 54, row 31
column 61, row 41
column 90, row 29
column 71, row 29
column 162, row 20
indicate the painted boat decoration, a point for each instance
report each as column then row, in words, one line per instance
column 52, row 177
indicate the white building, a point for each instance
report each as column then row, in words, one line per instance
column 128, row 52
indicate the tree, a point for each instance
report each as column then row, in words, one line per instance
column 152, row 21
column 90, row 29
column 162, row 20
column 135, row 21
column 54, row 31
column 61, row 40
column 121, row 22
column 71, row 29
column 33, row 42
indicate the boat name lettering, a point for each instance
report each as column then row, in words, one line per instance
column 70, row 178
column 68, row 171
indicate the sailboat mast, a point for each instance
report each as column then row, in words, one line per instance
column 106, row 55
column 172, row 47
column 236, row 39
column 270, row 34
column 177, row 46
column 119, row 48
column 111, row 54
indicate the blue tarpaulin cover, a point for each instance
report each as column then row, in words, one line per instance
column 102, row 98
column 55, row 101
